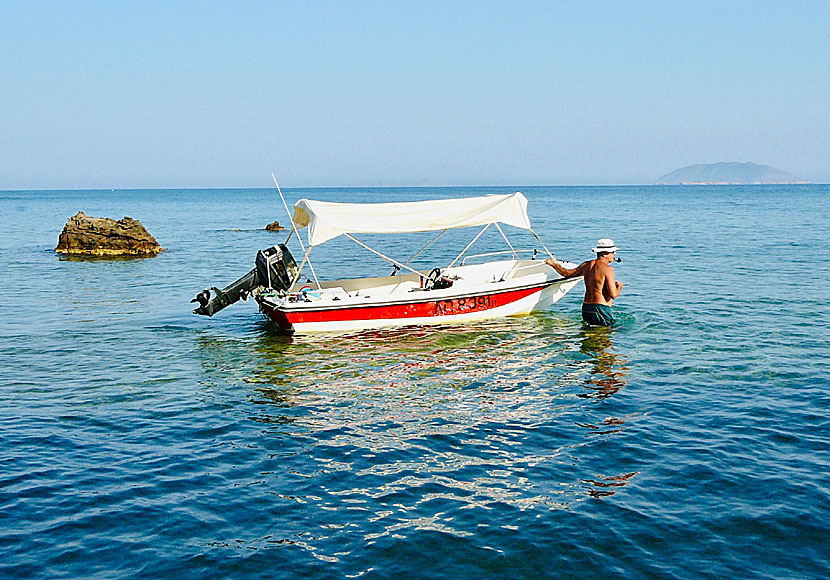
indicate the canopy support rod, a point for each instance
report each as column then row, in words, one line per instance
column 509, row 245
column 299, row 239
column 300, row 269
column 543, row 245
column 464, row 251
column 425, row 247
column 385, row 257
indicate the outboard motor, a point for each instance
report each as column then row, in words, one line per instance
column 275, row 270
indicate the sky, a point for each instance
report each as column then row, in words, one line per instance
column 395, row 93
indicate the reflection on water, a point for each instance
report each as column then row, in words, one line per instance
column 439, row 418
column 605, row 378
column 607, row 484
column 104, row 257
column 609, row 368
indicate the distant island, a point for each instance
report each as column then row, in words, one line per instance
column 731, row 173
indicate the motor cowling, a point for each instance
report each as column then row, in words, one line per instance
column 275, row 270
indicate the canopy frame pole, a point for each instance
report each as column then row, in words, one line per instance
column 299, row 239
column 509, row 245
column 300, row 269
column 310, row 265
column 385, row 257
column 464, row 251
column 425, row 247
column 543, row 245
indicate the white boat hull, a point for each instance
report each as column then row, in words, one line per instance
column 494, row 290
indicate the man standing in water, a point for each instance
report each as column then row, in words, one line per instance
column 600, row 286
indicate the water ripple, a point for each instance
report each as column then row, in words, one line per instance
column 137, row 440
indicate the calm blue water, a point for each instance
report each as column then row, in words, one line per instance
column 138, row 440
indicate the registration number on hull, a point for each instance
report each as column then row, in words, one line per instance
column 461, row 305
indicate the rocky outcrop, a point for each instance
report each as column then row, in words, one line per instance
column 274, row 227
column 94, row 236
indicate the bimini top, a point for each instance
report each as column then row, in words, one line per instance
column 327, row 220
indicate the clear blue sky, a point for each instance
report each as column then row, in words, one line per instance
column 201, row 94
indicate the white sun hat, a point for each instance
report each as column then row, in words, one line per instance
column 605, row 245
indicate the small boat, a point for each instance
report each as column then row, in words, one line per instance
column 470, row 287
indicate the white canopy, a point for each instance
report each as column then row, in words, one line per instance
column 327, row 220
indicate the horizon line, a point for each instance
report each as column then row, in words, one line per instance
column 197, row 188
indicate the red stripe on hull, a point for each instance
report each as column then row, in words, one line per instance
column 427, row 309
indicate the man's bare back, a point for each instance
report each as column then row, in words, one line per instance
column 601, row 287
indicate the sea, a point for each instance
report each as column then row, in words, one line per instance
column 138, row 440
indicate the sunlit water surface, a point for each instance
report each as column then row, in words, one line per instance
column 139, row 440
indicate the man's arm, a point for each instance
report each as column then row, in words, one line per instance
column 566, row 272
column 614, row 288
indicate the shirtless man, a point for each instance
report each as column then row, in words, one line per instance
column 600, row 286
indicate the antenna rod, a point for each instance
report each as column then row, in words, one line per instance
column 294, row 230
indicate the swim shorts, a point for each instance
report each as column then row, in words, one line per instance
column 597, row 314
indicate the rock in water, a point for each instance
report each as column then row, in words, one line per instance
column 94, row 236
column 274, row 227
